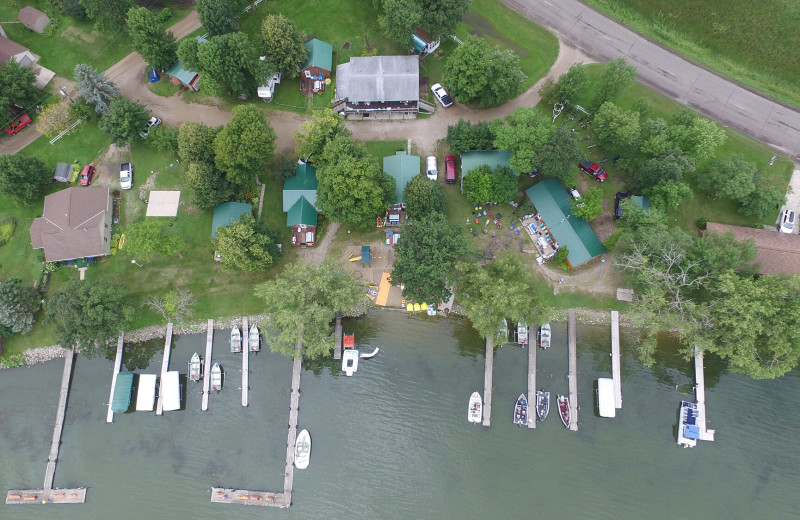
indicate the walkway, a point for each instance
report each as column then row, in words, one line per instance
column 700, row 393
column 117, row 367
column 573, row 370
column 487, row 383
column 164, row 368
column 337, row 346
column 207, row 361
column 245, row 361
column 615, row 361
column 531, row 382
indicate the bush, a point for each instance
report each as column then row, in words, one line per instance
column 701, row 222
column 561, row 258
column 612, row 240
column 7, row 227
column 52, row 28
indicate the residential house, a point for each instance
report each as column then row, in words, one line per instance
column 181, row 76
column 10, row 50
column 777, row 252
column 317, row 67
column 76, row 224
column 299, row 198
column 33, row 19
column 227, row 213
column 492, row 158
column 380, row 87
column 402, row 168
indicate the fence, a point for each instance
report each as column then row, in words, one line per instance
column 65, row 132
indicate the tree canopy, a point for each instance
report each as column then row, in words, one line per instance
column 229, row 63
column 54, row 119
column 22, row 178
column 617, row 77
column 18, row 304
column 150, row 38
column 560, row 155
column 246, row 245
column 484, row 185
column 16, row 86
column 196, row 142
column 283, row 45
column 107, row 15
column 125, row 120
column 588, row 207
column 209, row 185
column 732, row 178
column 439, row 17
column 523, row 132
column 464, row 136
column 697, row 136
column 399, row 19
column 423, row 197
column 244, row 145
column 616, row 127
column 317, row 132
column 95, row 88
column 571, row 82
column 217, row 16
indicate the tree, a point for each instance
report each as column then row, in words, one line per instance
column 316, row 133
column 228, row 63
column 124, row 121
column 668, row 194
column 150, row 38
column 655, row 140
column 478, row 185
column 504, row 185
column 440, row 17
column 523, row 132
column 495, row 291
column 107, row 15
column 720, row 252
column 616, row 79
column 570, row 83
column 89, row 313
column 559, row 155
column 465, row 135
column 245, row 246
column 697, row 136
column 209, row 185
column 763, row 200
column 425, row 255
column 22, row 178
column 423, row 197
column 399, row 20
column 16, row 86
column 196, row 142
column 164, row 138
column 244, row 145
column 283, row 45
column 477, row 73
column 615, row 127
column 173, row 306
column 635, row 217
column 54, row 119
column 590, row 204
column 548, row 91
column 733, row 177
column 670, row 167
column 71, row 8
column 149, row 236
column 18, row 304
column 95, row 88
column 302, row 301
column 217, row 16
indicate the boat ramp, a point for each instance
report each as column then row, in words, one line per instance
column 573, row 370
column 164, row 368
column 487, row 382
column 207, row 361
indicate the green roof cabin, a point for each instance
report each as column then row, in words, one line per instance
column 402, row 168
column 228, row 213
column 317, row 67
column 302, row 184
column 552, row 202
column 183, row 77
column 299, row 198
column 492, row 158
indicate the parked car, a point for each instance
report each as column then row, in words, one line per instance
column 152, row 122
column 430, row 168
column 618, row 198
column 86, row 175
column 450, row 169
column 441, row 94
column 23, row 121
column 594, row 170
column 786, row 222
column 573, row 192
column 126, row 175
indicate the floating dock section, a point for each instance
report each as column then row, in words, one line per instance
column 117, row 368
column 164, row 368
column 531, row 383
column 700, row 394
column 615, row 363
column 573, row 371
column 207, row 361
column 487, row 382
column 337, row 347
column 245, row 361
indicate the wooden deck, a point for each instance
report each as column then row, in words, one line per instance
column 337, row 347
column 700, row 393
column 164, row 368
column 531, row 383
column 249, row 498
column 207, row 362
column 42, row 496
column 615, row 362
column 487, row 382
column 245, row 361
column 117, row 367
column 573, row 371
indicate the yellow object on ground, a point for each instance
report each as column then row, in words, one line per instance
column 416, row 307
column 355, row 258
column 383, row 290
column 423, row 307
column 409, row 307
column 121, row 241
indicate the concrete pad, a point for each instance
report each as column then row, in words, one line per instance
column 163, row 203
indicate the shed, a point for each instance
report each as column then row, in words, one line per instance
column 182, row 76
column 228, row 213
column 365, row 256
column 492, row 158
column 63, row 172
column 33, row 19
column 320, row 55
column 302, row 213
column 552, row 202
column 121, row 399
column 402, row 168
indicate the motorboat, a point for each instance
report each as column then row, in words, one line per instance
column 521, row 410
column 688, row 431
column 350, row 361
column 236, row 340
column 563, row 410
column 216, row 378
column 475, row 413
column 255, row 344
column 544, row 336
column 195, row 372
column 542, row 404
column 302, row 450
column 522, row 333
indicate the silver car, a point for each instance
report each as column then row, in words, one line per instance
column 786, row 223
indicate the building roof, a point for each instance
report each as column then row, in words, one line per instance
column 73, row 224
column 9, row 49
column 402, row 168
column 552, row 202
column 63, row 172
column 228, row 213
column 777, row 252
column 301, row 212
column 183, row 75
column 33, row 19
column 492, row 158
column 302, row 184
column 320, row 54
column 378, row 78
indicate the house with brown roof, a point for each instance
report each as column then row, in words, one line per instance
column 11, row 50
column 33, row 19
column 777, row 252
column 76, row 224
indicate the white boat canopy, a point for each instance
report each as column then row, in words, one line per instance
column 146, row 395
column 172, row 390
column 605, row 397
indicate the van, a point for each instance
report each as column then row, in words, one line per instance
column 450, row 169
column 430, row 169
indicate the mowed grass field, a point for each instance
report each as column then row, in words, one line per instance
column 754, row 42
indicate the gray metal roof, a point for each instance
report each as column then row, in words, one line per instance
column 378, row 78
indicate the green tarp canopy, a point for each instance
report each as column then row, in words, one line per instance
column 122, row 392
column 365, row 255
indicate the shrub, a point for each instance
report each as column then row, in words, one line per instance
column 701, row 222
column 612, row 240
column 52, row 28
column 561, row 258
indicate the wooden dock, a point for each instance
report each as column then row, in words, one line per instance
column 164, row 368
column 41, row 496
column 531, row 383
column 573, row 371
column 207, row 362
column 700, row 394
column 615, row 362
column 117, row 368
column 337, row 347
column 245, row 360
column 487, row 382
column 249, row 498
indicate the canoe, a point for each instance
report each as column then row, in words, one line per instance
column 302, row 450
column 521, row 410
column 194, row 368
column 544, row 336
column 216, row 377
column 255, row 344
column 542, row 404
column 563, row 410
column 475, row 411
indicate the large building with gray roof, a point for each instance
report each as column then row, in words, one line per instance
column 378, row 86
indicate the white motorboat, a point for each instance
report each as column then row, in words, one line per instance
column 302, row 450
column 255, row 344
column 522, row 333
column 194, row 368
column 236, row 340
column 544, row 336
column 350, row 361
column 216, row 378
column 475, row 413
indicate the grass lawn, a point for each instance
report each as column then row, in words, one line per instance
column 163, row 87
column 754, row 43
column 81, row 145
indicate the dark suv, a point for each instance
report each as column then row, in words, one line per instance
column 594, row 170
column 618, row 198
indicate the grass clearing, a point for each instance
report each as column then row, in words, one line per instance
column 82, row 145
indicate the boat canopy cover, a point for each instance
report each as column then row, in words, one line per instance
column 349, row 340
column 691, row 432
column 170, row 382
column 147, row 393
column 605, row 397
column 122, row 392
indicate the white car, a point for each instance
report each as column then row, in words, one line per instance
column 441, row 94
column 430, row 169
column 126, row 175
column 152, row 122
column 786, row 222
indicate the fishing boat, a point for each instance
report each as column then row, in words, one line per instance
column 350, row 361
column 563, row 410
column 475, row 411
column 255, row 344
column 236, row 340
column 542, row 404
column 216, row 378
column 522, row 333
column 544, row 336
column 521, row 410
column 194, row 368
column 302, row 450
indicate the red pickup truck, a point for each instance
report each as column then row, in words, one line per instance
column 594, row 170
column 23, row 121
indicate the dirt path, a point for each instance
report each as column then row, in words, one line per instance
column 595, row 278
column 316, row 255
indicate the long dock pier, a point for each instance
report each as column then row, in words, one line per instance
column 117, row 368
column 531, row 383
column 700, row 395
column 245, row 361
column 615, row 363
column 337, row 347
column 164, row 368
column 573, row 371
column 207, row 368
column 487, row 382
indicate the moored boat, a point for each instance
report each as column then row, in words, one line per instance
column 521, row 410
column 302, row 450
column 350, row 361
column 236, row 340
column 194, row 368
column 563, row 410
column 542, row 404
column 216, row 377
column 544, row 336
column 522, row 333
column 688, row 431
column 475, row 411
column 255, row 344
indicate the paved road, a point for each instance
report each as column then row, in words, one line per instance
column 716, row 97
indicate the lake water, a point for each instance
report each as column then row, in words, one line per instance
column 393, row 442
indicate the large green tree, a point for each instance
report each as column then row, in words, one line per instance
column 209, row 185
column 16, row 86
column 95, row 88
column 107, row 15
column 217, row 16
column 124, row 121
column 229, row 63
column 425, row 254
column 150, row 38
column 317, row 132
column 765, row 199
column 283, row 45
column 616, row 127
column 477, row 185
column 617, row 77
column 18, row 303
column 196, row 142
column 672, row 166
column 423, row 197
column 244, row 146
column 302, row 301
column 669, row 194
column 590, row 204
column 523, row 132
column 733, row 178
column 571, row 82
column 698, row 137
column 464, row 136
column 560, row 155
column 246, row 245
column 505, row 186
column 399, row 20
column 440, row 17
column 478, row 73
column 89, row 313
column 150, row 236
column 22, row 178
